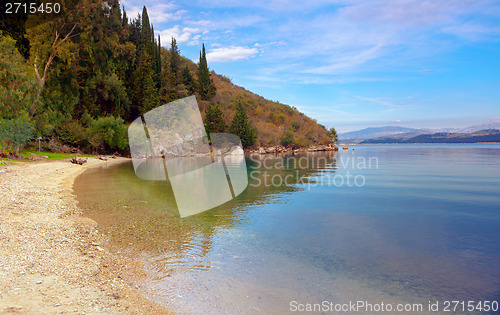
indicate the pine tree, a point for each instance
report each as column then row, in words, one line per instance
column 241, row 127
column 214, row 120
column 206, row 86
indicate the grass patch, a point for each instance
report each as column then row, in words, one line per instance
column 53, row 155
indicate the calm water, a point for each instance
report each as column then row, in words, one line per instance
column 408, row 224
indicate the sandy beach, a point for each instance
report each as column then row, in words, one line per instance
column 51, row 258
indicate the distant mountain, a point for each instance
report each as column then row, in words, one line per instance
column 494, row 124
column 487, row 135
column 485, row 126
column 377, row 132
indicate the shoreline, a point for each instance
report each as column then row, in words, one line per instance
column 51, row 259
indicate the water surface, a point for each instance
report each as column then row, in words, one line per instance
column 415, row 223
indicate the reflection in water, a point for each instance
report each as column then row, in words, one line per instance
column 143, row 215
column 423, row 228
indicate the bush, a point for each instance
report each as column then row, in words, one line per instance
column 287, row 139
column 70, row 132
column 108, row 134
column 14, row 133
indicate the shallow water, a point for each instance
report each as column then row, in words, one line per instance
column 414, row 223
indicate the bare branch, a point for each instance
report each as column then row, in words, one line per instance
column 53, row 53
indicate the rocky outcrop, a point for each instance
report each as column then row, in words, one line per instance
column 282, row 149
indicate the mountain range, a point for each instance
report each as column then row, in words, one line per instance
column 393, row 134
column 487, row 135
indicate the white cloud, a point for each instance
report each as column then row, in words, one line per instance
column 233, row 53
column 186, row 34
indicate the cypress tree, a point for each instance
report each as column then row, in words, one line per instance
column 206, row 86
column 241, row 127
column 125, row 18
column 174, row 57
column 145, row 32
column 158, row 62
column 145, row 77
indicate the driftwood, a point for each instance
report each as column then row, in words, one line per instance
column 78, row 161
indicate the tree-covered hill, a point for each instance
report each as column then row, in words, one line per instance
column 77, row 78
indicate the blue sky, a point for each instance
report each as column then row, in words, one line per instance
column 349, row 64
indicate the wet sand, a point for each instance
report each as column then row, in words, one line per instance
column 51, row 258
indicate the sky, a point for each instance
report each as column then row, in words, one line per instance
column 349, row 64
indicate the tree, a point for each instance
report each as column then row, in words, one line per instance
column 145, row 94
column 52, row 53
column 145, row 79
column 18, row 84
column 187, row 79
column 175, row 60
column 206, row 86
column 241, row 127
column 124, row 17
column 214, row 120
column 333, row 134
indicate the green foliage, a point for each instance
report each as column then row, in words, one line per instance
column 287, row 139
column 70, row 132
column 145, row 94
column 333, row 134
column 214, row 120
column 108, row 134
column 206, row 86
column 187, row 79
column 14, row 133
column 225, row 79
column 86, row 120
column 295, row 126
column 241, row 127
column 108, row 91
column 175, row 60
column 13, row 25
column 18, row 84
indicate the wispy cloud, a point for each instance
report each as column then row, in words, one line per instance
column 474, row 31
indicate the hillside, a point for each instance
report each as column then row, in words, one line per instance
column 488, row 135
column 273, row 120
